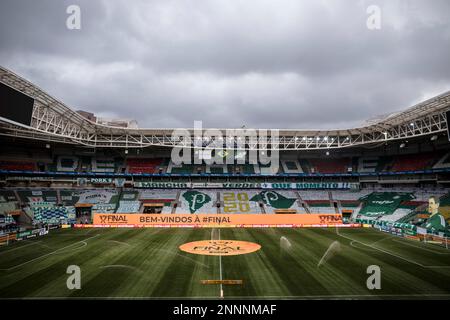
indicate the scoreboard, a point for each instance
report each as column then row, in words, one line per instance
column 15, row 106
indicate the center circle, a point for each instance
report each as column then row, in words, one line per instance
column 220, row 247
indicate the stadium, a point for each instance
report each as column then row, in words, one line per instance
column 109, row 199
column 223, row 159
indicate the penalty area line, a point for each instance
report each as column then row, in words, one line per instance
column 21, row 247
column 381, row 250
column 420, row 247
column 48, row 254
column 220, row 271
column 390, row 253
column 220, row 264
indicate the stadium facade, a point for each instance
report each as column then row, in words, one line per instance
column 57, row 166
column 329, row 197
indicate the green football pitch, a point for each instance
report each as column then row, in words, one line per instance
column 147, row 263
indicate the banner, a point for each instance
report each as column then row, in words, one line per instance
column 383, row 203
column 218, row 220
column 101, row 180
column 310, row 185
column 96, row 180
column 23, row 234
column 206, row 185
column 247, row 185
column 25, row 178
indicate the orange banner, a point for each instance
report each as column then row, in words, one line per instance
column 217, row 220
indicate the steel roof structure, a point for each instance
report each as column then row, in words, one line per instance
column 53, row 121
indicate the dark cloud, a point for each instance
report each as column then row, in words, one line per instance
column 272, row 64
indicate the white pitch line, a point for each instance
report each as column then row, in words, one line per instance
column 21, row 247
column 382, row 239
column 120, row 242
column 121, row 266
column 47, row 254
column 84, row 244
column 343, row 296
column 352, row 243
column 419, row 247
column 381, row 250
column 220, row 268
column 185, row 257
column 220, row 265
column 354, row 296
column 390, row 253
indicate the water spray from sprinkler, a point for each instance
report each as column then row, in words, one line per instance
column 285, row 245
column 332, row 251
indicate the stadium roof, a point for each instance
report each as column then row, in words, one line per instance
column 52, row 120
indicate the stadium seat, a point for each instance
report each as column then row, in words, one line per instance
column 67, row 163
column 330, row 165
column 413, row 162
column 103, row 165
column 128, row 206
column 17, row 166
column 143, row 165
column 48, row 213
column 291, row 166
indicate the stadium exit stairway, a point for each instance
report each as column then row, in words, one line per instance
column 334, row 204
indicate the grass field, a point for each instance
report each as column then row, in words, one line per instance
column 146, row 263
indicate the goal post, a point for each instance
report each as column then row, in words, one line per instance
column 441, row 240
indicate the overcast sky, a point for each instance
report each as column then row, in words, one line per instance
column 259, row 63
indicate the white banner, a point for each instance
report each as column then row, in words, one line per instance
column 247, row 185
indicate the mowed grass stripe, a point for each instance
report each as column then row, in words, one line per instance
column 109, row 274
column 400, row 248
column 255, row 269
column 342, row 273
column 48, row 276
column 399, row 276
column 330, row 273
column 41, row 247
column 301, row 260
column 147, row 263
column 395, row 279
column 98, row 278
column 33, row 277
column 182, row 274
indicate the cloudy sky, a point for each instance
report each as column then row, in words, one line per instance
column 259, row 63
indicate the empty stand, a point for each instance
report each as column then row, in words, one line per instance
column 444, row 162
column 128, row 206
column 183, row 168
column 330, row 165
column 216, row 168
column 103, row 165
column 368, row 164
column 291, row 166
column 46, row 212
column 141, row 165
column 17, row 165
column 413, row 162
column 67, row 163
